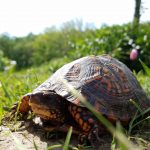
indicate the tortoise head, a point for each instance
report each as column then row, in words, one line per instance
column 48, row 106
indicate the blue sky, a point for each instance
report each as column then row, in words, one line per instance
column 20, row 17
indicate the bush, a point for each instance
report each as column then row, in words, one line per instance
column 74, row 42
column 117, row 41
column 5, row 63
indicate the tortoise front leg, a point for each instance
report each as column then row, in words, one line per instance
column 91, row 128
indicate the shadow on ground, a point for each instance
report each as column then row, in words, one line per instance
column 27, row 135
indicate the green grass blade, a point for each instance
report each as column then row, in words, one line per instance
column 143, row 113
column 1, row 113
column 17, row 111
column 131, row 123
column 147, row 118
column 67, row 141
column 35, row 146
column 136, row 105
column 5, row 91
column 145, row 67
column 113, row 143
column 54, row 147
column 121, row 144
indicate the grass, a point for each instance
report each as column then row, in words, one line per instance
column 66, row 143
column 15, row 84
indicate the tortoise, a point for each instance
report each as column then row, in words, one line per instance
column 106, row 83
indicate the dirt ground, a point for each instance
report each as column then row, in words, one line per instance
column 26, row 136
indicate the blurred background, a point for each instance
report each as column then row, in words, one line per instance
column 35, row 32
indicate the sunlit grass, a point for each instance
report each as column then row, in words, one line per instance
column 133, row 124
column 145, row 67
column 66, row 145
column 67, row 141
column 15, row 84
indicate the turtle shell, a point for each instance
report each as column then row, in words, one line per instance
column 104, row 81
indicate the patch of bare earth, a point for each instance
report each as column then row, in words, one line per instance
column 27, row 135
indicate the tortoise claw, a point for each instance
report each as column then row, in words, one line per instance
column 94, row 138
column 14, row 108
column 82, row 138
column 13, row 112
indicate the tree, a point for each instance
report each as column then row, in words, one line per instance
column 137, row 13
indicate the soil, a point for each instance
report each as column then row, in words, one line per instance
column 28, row 134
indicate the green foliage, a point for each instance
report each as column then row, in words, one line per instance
column 117, row 41
column 103, row 40
column 18, row 49
column 144, row 80
column 47, row 46
column 22, row 52
column 134, row 39
column 73, row 41
column 146, row 68
column 6, row 44
column 15, row 84
column 5, row 63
